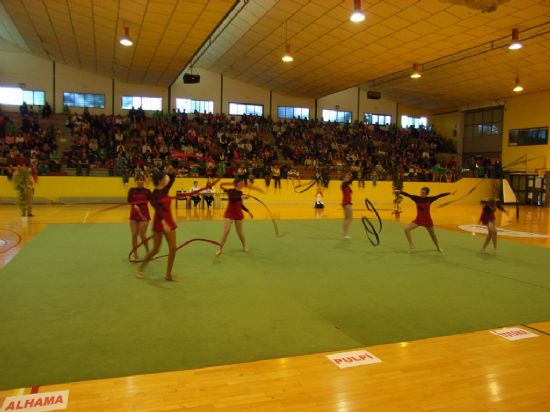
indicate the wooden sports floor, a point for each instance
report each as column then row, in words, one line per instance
column 476, row 371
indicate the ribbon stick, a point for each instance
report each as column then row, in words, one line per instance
column 304, row 187
column 373, row 234
column 177, row 249
column 462, row 197
column 270, row 215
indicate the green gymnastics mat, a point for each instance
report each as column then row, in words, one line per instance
column 71, row 308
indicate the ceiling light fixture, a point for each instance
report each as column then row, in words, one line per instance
column 357, row 16
column 416, row 73
column 287, row 57
column 126, row 40
column 516, row 44
column 518, row 88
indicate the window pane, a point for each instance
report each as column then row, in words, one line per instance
column 11, row 95
column 478, row 117
column 127, row 102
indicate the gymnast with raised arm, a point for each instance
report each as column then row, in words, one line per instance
column 423, row 215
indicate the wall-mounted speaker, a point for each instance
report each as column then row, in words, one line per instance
column 191, row 78
column 373, row 95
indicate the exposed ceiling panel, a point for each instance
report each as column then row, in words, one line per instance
column 460, row 45
column 85, row 33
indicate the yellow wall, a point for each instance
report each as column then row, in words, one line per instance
column 55, row 187
column 531, row 110
column 445, row 124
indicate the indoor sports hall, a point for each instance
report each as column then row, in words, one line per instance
column 303, row 310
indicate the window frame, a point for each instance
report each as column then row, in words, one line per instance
column 338, row 115
column 24, row 98
column 294, row 110
column 147, row 108
column 379, row 115
column 483, row 122
column 192, row 103
column 416, row 121
column 246, row 106
column 83, row 97
column 524, row 137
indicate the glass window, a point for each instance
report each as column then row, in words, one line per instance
column 239, row 109
column 416, row 122
column 288, row 112
column 381, row 119
column 72, row 99
column 483, row 122
column 336, row 116
column 146, row 103
column 192, row 106
column 34, row 97
column 16, row 96
column 528, row 137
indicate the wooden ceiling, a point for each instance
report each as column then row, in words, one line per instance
column 460, row 45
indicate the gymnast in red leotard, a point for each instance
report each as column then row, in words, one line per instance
column 234, row 213
column 163, row 222
column 138, row 197
column 346, row 204
column 423, row 216
column 488, row 219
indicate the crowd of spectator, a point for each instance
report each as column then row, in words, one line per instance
column 196, row 145
column 220, row 145
column 29, row 141
column 369, row 152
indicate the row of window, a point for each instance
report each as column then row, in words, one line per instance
column 16, row 96
column 477, row 123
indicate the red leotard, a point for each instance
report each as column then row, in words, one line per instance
column 161, row 202
column 139, row 197
column 235, row 205
column 423, row 216
column 346, row 193
column 488, row 214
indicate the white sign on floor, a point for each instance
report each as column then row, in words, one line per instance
column 37, row 402
column 514, row 333
column 354, row 358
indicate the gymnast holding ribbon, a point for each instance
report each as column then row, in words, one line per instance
column 234, row 213
column 163, row 221
column 138, row 197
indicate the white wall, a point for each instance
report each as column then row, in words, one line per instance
column 37, row 73
column 235, row 91
column 380, row 106
column 20, row 67
column 345, row 101
column 209, row 88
